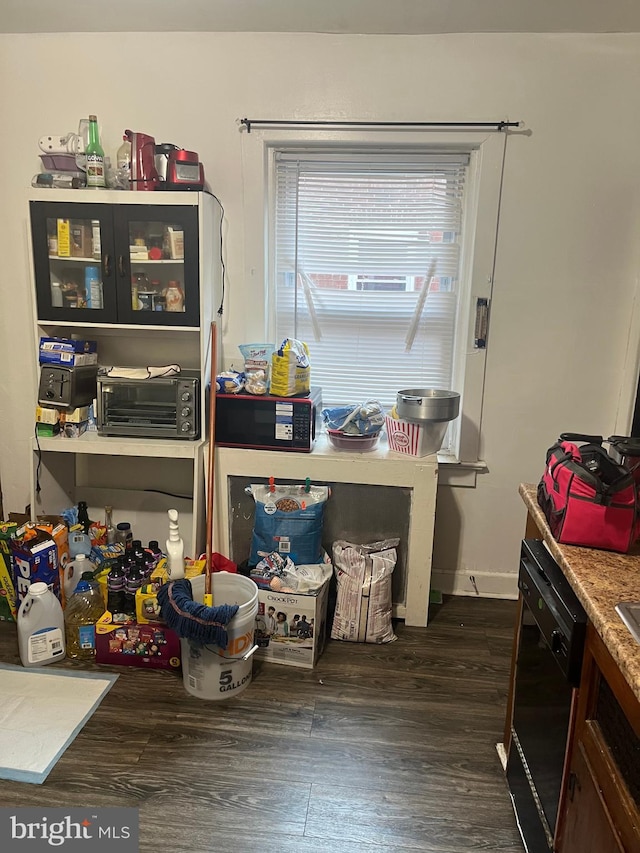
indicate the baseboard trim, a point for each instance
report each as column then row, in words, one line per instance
column 487, row 584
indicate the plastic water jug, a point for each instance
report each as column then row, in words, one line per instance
column 79, row 543
column 40, row 625
column 73, row 573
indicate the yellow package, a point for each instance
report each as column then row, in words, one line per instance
column 8, row 606
column 290, row 369
column 147, row 608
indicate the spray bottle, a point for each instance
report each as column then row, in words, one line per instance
column 175, row 548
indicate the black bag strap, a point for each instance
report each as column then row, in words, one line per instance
column 579, row 436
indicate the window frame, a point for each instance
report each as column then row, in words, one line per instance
column 478, row 250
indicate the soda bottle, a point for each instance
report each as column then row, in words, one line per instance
column 154, row 548
column 134, row 581
column 95, row 157
column 115, row 592
column 83, row 516
column 83, row 610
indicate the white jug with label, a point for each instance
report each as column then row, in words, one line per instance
column 40, row 627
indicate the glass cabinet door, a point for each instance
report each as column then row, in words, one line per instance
column 157, row 265
column 73, row 262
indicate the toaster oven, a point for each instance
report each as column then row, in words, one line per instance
column 162, row 407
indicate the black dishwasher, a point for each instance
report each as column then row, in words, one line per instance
column 552, row 631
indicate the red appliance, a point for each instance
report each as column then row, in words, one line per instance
column 144, row 175
column 184, row 171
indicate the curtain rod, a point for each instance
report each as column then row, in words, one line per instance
column 496, row 125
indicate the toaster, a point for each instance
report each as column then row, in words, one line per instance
column 184, row 171
column 67, row 387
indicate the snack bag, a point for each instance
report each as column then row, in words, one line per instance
column 290, row 369
column 289, row 521
column 257, row 361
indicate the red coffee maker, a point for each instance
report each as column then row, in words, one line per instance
column 144, row 175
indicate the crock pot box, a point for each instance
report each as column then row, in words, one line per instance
column 305, row 644
column 152, row 646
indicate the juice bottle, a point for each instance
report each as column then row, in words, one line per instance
column 83, row 610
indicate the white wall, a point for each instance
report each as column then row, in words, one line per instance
column 568, row 249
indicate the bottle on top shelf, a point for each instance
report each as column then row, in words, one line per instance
column 95, row 157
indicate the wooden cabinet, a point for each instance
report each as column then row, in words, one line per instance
column 587, row 822
column 600, row 811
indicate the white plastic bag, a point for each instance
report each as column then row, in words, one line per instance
column 363, row 606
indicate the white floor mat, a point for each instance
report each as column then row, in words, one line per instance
column 41, row 712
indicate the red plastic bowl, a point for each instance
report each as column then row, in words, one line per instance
column 354, row 443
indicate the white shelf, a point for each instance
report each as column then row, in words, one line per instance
column 92, row 443
column 114, row 327
column 66, row 259
column 100, row 196
column 152, row 263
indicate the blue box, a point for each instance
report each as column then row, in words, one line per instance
column 34, row 560
column 68, row 352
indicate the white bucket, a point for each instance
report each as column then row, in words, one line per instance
column 210, row 672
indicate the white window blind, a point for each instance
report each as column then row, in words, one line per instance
column 367, row 254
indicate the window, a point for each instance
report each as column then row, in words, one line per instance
column 375, row 253
column 367, row 268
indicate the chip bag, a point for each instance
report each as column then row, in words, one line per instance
column 290, row 369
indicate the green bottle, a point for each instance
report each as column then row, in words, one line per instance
column 95, row 156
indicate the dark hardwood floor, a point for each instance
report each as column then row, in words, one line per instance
column 379, row 749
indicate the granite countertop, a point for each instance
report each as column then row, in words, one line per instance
column 600, row 579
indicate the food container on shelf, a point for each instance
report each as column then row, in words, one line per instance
column 355, row 443
column 59, row 162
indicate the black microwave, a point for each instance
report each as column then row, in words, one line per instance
column 266, row 422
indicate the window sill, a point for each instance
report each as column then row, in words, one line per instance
column 453, row 472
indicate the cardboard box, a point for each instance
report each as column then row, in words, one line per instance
column 64, row 238
column 81, row 239
column 50, row 417
column 47, row 430
column 67, row 351
column 305, row 641
column 75, row 416
column 73, row 430
column 8, row 609
column 152, row 646
column 33, row 560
